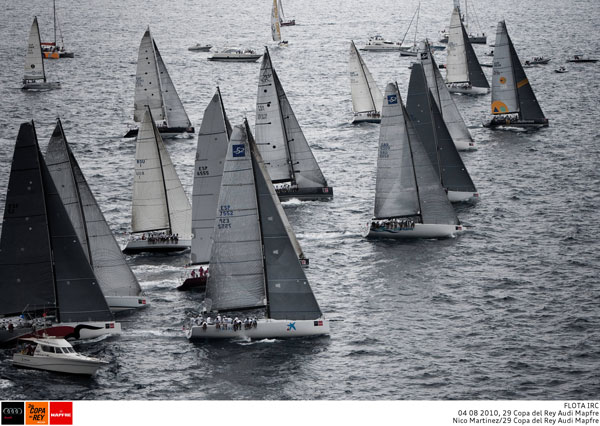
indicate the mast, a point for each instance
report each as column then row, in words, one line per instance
column 54, row 11
column 417, row 24
column 162, row 172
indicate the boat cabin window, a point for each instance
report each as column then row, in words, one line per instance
column 71, row 350
column 47, row 348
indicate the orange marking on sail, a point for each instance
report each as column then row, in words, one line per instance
column 522, row 83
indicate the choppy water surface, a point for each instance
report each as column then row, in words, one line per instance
column 508, row 311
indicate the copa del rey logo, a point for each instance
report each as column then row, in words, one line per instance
column 61, row 413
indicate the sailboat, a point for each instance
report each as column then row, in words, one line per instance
column 409, row 200
column 253, row 263
column 513, row 102
column 463, row 72
column 154, row 87
column 436, row 138
column 474, row 38
column 282, row 21
column 55, row 50
column 34, row 77
column 452, row 118
column 276, row 24
column 161, row 211
column 366, row 97
column 118, row 283
column 289, row 159
column 414, row 49
column 45, row 273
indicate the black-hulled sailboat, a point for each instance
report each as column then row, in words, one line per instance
column 513, row 102
column 119, row 285
column 46, row 277
column 288, row 157
column 434, row 135
column 254, row 265
column 409, row 200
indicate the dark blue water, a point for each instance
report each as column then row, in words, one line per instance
column 507, row 311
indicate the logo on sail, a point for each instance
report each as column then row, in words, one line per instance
column 239, row 150
column 499, row 107
column 502, row 80
column 392, row 99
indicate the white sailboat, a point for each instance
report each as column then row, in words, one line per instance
column 454, row 121
column 463, row 72
column 161, row 211
column 513, row 102
column 34, row 77
column 119, row 285
column 276, row 24
column 49, row 278
column 474, row 38
column 289, row 159
column 254, row 265
column 54, row 49
column 410, row 201
column 282, row 21
column 414, row 49
column 154, row 88
column 366, row 96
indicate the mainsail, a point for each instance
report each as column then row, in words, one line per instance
column 278, row 134
column 159, row 201
column 50, row 271
column 102, row 250
column 34, row 62
column 511, row 91
column 366, row 96
column 275, row 22
column 213, row 139
column 434, row 135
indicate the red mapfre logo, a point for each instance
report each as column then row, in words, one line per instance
column 61, row 413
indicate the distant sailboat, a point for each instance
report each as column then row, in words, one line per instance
column 34, row 77
column 44, row 269
column 409, row 200
column 434, row 135
column 254, row 265
column 161, row 211
column 119, row 285
column 54, row 49
column 414, row 49
column 288, row 157
column 154, row 88
column 474, row 38
column 463, row 72
column 276, row 24
column 284, row 22
column 366, row 97
column 513, row 102
column 454, row 122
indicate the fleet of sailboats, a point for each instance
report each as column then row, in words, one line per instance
column 34, row 77
column 366, row 97
column 154, row 88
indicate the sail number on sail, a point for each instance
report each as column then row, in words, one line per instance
column 224, row 210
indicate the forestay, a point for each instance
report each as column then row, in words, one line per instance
column 147, row 82
column 366, row 96
column 172, row 105
column 213, row 139
column 237, row 278
column 34, row 62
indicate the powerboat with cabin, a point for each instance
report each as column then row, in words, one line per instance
column 200, row 48
column 235, row 55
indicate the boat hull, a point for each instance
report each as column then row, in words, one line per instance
column 86, row 330
column 420, row 230
column 71, row 365
column 235, row 58
column 467, row 90
column 165, row 132
column 381, row 48
column 144, row 246
column 125, row 303
column 532, row 124
column 583, row 60
column 41, row 86
column 265, row 329
column 461, row 197
column 306, row 194
column 360, row 117
column 200, row 49
column 58, row 55
column 197, row 283
column 465, row 145
column 289, row 23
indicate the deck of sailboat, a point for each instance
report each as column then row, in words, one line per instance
column 165, row 132
column 419, row 230
column 144, row 246
column 265, row 329
column 306, row 194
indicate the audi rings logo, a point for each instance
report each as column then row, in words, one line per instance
column 13, row 413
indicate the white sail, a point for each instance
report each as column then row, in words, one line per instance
column 396, row 187
column 366, row 96
column 213, row 139
column 504, row 89
column 280, row 10
column 147, row 82
column 452, row 117
column 275, row 22
column 176, row 115
column 237, row 277
column 457, row 69
column 34, row 63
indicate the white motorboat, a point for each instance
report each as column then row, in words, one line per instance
column 378, row 44
column 34, row 77
column 200, row 47
column 54, row 354
column 235, row 55
column 561, row 70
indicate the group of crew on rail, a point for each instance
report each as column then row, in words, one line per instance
column 202, row 273
column 393, row 223
column 226, row 323
column 160, row 237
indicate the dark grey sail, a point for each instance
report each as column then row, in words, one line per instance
column 289, row 295
column 476, row 75
column 434, row 135
column 27, row 282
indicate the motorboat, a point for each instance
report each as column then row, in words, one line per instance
column 235, row 55
column 539, row 60
column 200, row 47
column 378, row 44
column 561, row 70
column 582, row 58
column 54, row 354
